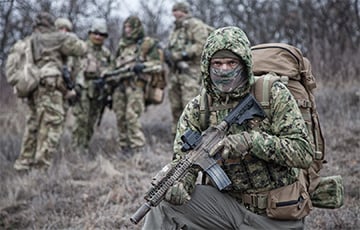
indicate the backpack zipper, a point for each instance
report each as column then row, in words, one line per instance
column 290, row 202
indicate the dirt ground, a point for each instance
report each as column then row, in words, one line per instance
column 102, row 190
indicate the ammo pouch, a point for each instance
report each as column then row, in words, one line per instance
column 329, row 193
column 54, row 83
column 154, row 89
column 291, row 202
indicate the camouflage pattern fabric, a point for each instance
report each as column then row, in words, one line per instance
column 63, row 23
column 128, row 96
column 278, row 146
column 189, row 35
column 87, row 111
column 46, row 119
column 329, row 193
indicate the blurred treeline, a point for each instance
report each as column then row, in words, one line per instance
column 327, row 31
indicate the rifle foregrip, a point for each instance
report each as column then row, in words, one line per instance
column 140, row 213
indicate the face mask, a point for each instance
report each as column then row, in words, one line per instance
column 228, row 80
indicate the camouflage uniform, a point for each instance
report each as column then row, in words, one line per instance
column 88, row 109
column 185, row 44
column 275, row 149
column 72, row 63
column 135, row 50
column 45, row 122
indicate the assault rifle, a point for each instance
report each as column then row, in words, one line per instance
column 67, row 78
column 120, row 74
column 70, row 85
column 180, row 66
column 116, row 77
column 198, row 146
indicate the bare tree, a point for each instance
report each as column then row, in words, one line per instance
column 327, row 31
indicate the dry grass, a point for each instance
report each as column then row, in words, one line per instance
column 102, row 191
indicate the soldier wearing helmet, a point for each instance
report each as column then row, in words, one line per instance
column 46, row 118
column 88, row 110
column 259, row 156
column 183, row 54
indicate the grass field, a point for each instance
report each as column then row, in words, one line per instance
column 101, row 191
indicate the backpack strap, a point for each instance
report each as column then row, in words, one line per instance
column 262, row 87
column 204, row 109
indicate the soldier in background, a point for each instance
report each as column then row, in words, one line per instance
column 45, row 121
column 135, row 52
column 88, row 110
column 183, row 53
column 71, row 67
column 63, row 24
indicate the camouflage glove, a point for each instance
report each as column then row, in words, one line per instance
column 232, row 146
column 179, row 192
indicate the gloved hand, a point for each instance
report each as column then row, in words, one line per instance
column 71, row 96
column 177, row 194
column 169, row 59
column 232, row 146
column 185, row 56
column 138, row 68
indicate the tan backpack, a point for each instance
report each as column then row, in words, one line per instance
column 21, row 71
column 279, row 61
column 288, row 65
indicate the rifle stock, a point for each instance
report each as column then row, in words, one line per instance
column 198, row 147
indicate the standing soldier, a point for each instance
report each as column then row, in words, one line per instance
column 63, row 24
column 183, row 54
column 71, row 65
column 137, row 53
column 45, row 122
column 96, row 61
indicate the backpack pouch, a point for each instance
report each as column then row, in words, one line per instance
column 329, row 193
column 291, row 202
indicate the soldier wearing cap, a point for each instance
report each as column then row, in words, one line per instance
column 183, row 53
column 63, row 24
column 87, row 111
column 71, row 64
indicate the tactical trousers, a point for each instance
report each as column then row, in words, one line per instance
column 86, row 113
column 44, row 127
column 128, row 105
column 211, row 209
column 183, row 88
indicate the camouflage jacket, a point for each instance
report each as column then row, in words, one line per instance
column 145, row 50
column 189, row 35
column 279, row 144
column 96, row 61
column 51, row 49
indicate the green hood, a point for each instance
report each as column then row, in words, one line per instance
column 137, row 33
column 227, row 38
